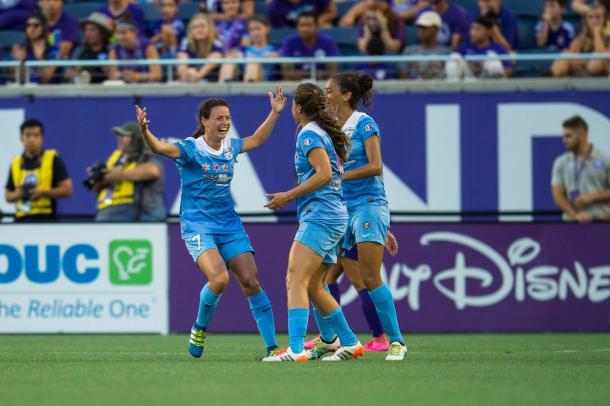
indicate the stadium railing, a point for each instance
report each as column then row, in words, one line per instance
column 169, row 65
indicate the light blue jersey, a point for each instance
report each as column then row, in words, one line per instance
column 326, row 204
column 360, row 127
column 206, row 205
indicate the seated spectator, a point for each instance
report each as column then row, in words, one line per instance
column 214, row 8
column 380, row 24
column 169, row 31
column 552, row 32
column 13, row 14
column 258, row 30
column 97, row 30
column 131, row 46
column 308, row 43
column 428, row 24
column 231, row 29
column 455, row 23
column 117, row 9
column 481, row 34
column 285, row 13
column 582, row 7
column 63, row 28
column 200, row 42
column 377, row 70
column 406, row 9
column 504, row 31
column 592, row 39
column 37, row 48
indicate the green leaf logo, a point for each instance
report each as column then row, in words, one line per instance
column 130, row 262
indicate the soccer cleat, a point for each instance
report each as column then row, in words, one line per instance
column 346, row 352
column 396, row 352
column 322, row 348
column 379, row 344
column 309, row 344
column 275, row 351
column 196, row 341
column 286, row 355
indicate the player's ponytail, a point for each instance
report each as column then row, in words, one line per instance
column 313, row 105
column 360, row 85
column 205, row 109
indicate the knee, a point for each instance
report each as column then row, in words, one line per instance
column 219, row 281
column 250, row 284
column 371, row 280
column 293, row 279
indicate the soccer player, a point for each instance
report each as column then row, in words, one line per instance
column 369, row 215
column 211, row 228
column 321, row 148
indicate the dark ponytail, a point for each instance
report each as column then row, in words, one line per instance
column 359, row 84
column 313, row 105
column 205, row 109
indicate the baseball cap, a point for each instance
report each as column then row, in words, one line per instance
column 128, row 128
column 429, row 19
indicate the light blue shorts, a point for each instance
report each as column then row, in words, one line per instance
column 228, row 245
column 322, row 238
column 367, row 223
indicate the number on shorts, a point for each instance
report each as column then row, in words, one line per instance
column 197, row 238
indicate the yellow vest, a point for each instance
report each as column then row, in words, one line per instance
column 44, row 178
column 118, row 193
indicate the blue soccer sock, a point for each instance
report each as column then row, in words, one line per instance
column 370, row 313
column 384, row 303
column 297, row 328
column 207, row 306
column 327, row 333
column 260, row 305
column 337, row 320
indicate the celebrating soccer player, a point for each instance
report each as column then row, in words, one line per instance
column 321, row 148
column 211, row 228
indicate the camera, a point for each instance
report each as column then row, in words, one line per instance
column 96, row 176
column 27, row 187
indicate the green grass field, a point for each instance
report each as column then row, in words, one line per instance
column 481, row 369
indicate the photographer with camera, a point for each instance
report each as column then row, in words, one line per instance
column 504, row 30
column 37, row 178
column 130, row 183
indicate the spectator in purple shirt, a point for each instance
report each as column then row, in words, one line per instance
column 552, row 32
column 380, row 25
column 214, row 8
column 455, row 23
column 504, row 31
column 37, row 48
column 231, row 29
column 200, row 42
column 63, row 28
column 481, row 33
column 13, row 13
column 169, row 30
column 285, row 13
column 308, row 43
column 117, row 9
column 405, row 9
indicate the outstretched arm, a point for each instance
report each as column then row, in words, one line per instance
column 156, row 145
column 262, row 133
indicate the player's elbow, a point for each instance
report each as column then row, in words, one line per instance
column 376, row 169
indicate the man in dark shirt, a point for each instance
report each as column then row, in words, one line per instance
column 37, row 178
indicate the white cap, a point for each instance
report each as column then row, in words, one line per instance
column 429, row 19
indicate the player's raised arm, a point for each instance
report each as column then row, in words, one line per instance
column 157, row 146
column 262, row 133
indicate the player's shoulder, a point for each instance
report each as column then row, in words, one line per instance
column 311, row 129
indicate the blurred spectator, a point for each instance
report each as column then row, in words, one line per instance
column 504, row 31
column 381, row 29
column 97, row 30
column 285, row 13
column 200, row 42
column 582, row 7
column 214, row 8
column 592, row 39
column 308, row 43
column 14, row 13
column 552, row 32
column 132, row 183
column 131, row 46
column 117, row 9
column 37, row 48
column 428, row 24
column 481, row 33
column 63, row 28
column 405, row 9
column 169, row 31
column 581, row 176
column 231, row 29
column 36, row 178
column 455, row 23
column 377, row 70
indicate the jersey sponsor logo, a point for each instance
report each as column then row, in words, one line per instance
column 228, row 154
column 368, row 127
column 366, row 225
column 307, row 141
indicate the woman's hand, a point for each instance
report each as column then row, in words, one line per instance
column 142, row 118
column 278, row 101
column 278, row 200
